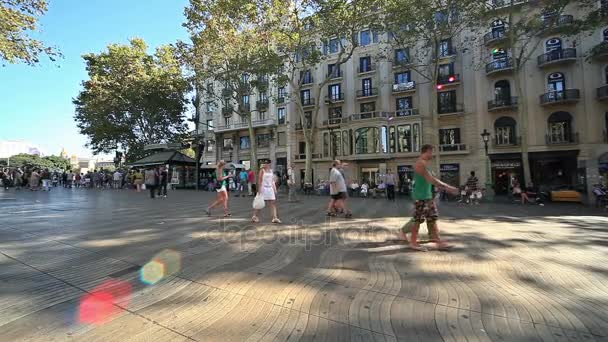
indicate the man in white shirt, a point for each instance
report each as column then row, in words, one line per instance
column 337, row 190
column 117, row 179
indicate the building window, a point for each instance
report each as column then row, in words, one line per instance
column 392, row 139
column 403, row 77
column 325, row 144
column 281, row 115
column 282, row 92
column 302, row 147
column 446, row 102
column 498, row 28
column 445, row 48
column 227, row 143
column 226, row 121
column 210, row 125
column 209, row 146
column 560, row 127
column 417, row 137
column 502, row 92
column 281, row 139
column 306, row 77
column 365, row 38
column 333, row 46
column 261, row 116
column 335, row 92
column 245, row 101
column 308, row 118
column 345, row 143
column 210, row 88
column 404, row 106
column 209, row 106
column 556, row 82
column 305, row 97
column 244, row 143
column 449, row 136
column 553, row 44
column 402, row 56
column 445, row 71
column 366, row 87
column 365, row 64
column 367, row 107
column 504, row 129
column 335, row 112
column 333, row 71
column 404, row 133
column 336, row 144
column 605, row 35
column 263, row 140
column 367, row 140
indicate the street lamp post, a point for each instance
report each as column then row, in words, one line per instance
column 485, row 135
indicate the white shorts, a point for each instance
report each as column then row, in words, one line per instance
column 268, row 194
column 223, row 188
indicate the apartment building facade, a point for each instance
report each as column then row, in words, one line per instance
column 375, row 112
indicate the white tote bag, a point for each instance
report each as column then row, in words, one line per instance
column 258, row 202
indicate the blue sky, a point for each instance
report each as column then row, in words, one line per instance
column 35, row 102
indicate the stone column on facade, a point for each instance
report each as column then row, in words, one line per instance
column 273, row 148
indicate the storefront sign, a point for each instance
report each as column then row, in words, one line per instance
column 405, row 168
column 506, row 164
column 449, row 167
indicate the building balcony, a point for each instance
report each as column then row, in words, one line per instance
column 262, row 105
column 501, row 66
column 602, row 93
column 559, row 139
column 245, row 125
column 369, row 116
column 333, row 122
column 403, row 63
column 560, row 97
column 506, row 143
column 405, row 113
column 494, row 37
column 554, row 23
column 447, row 53
column 502, row 104
column 557, row 57
column 599, row 52
column 227, row 92
column 450, row 109
column 299, row 126
column 453, row 148
column 367, row 93
column 449, row 80
column 227, row 111
column 505, row 4
column 302, row 157
column 404, row 87
column 334, row 98
column 366, row 69
column 308, row 102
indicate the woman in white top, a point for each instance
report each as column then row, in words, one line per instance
column 268, row 190
column 221, row 177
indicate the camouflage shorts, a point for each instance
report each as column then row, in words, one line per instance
column 425, row 210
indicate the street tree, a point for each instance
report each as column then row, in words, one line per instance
column 231, row 56
column 519, row 28
column 34, row 161
column 309, row 34
column 132, row 99
column 18, row 20
column 427, row 37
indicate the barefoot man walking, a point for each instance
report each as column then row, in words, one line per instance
column 424, row 206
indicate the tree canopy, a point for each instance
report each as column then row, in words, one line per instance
column 132, row 99
column 35, row 161
column 18, row 19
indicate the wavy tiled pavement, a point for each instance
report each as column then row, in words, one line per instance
column 515, row 274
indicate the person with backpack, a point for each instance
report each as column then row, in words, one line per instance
column 151, row 180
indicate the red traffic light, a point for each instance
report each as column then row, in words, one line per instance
column 439, row 86
column 451, row 79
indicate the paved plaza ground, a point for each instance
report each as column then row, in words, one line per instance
column 71, row 269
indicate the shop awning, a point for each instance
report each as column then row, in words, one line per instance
column 164, row 158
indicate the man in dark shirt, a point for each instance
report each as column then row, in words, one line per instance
column 164, row 179
column 472, row 190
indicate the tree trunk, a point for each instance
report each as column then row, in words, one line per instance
column 252, row 146
column 308, row 164
column 522, row 113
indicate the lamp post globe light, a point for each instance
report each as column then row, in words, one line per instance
column 485, row 136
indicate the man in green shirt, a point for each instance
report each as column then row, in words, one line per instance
column 425, row 208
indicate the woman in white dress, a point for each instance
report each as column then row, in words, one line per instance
column 268, row 191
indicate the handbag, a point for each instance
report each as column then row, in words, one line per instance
column 258, row 202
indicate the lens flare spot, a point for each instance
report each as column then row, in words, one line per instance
column 162, row 265
column 99, row 306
